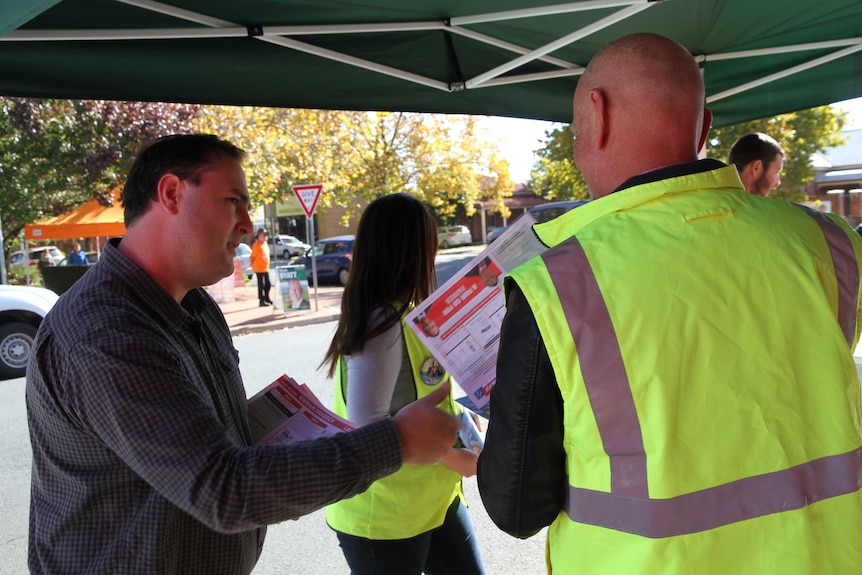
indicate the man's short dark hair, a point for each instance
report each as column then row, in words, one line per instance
column 184, row 155
column 754, row 146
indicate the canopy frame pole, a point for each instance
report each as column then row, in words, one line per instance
column 521, row 78
column 294, row 44
column 790, row 48
column 785, row 73
column 357, row 62
column 544, row 11
column 124, row 34
column 180, row 13
column 618, row 16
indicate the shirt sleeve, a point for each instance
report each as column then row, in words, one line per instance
column 133, row 394
column 372, row 375
column 522, row 469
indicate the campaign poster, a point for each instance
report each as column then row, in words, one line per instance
column 293, row 285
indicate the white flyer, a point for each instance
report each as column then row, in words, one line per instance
column 286, row 411
column 460, row 322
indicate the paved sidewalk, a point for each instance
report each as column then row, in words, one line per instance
column 244, row 316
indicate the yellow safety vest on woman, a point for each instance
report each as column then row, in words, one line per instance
column 699, row 336
column 414, row 499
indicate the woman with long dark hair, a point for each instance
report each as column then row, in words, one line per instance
column 413, row 521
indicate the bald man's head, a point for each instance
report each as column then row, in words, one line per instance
column 638, row 106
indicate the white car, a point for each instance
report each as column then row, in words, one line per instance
column 21, row 311
column 286, row 246
column 451, row 236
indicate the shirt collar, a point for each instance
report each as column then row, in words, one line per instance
column 672, row 171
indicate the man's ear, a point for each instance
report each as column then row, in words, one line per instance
column 756, row 168
column 599, row 105
column 704, row 129
column 168, row 192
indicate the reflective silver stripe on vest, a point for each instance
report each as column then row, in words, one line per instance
column 628, row 507
column 601, row 365
column 846, row 271
column 711, row 508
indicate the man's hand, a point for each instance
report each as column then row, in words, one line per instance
column 426, row 432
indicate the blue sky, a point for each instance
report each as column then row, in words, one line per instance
column 518, row 138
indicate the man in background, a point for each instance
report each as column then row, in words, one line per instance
column 759, row 160
column 77, row 257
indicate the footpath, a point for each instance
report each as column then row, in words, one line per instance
column 244, row 315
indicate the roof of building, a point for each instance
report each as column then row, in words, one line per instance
column 846, row 156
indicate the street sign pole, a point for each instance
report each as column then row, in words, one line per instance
column 313, row 263
column 308, row 195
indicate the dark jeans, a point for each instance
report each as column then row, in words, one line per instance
column 263, row 286
column 448, row 550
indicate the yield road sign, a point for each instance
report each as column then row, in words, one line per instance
column 308, row 194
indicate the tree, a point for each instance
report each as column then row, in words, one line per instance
column 801, row 134
column 362, row 155
column 57, row 154
column 554, row 175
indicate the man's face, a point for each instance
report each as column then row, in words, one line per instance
column 430, row 327
column 487, row 274
column 213, row 216
column 770, row 177
column 295, row 290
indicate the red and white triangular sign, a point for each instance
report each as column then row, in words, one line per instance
column 308, row 194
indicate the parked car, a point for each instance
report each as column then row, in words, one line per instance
column 495, row 233
column 541, row 213
column 545, row 212
column 50, row 255
column 21, row 311
column 451, row 236
column 243, row 252
column 284, row 247
column 333, row 257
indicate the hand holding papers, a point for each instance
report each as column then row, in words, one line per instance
column 470, row 435
column 285, row 411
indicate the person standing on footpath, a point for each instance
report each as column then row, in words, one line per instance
column 413, row 521
column 759, row 160
column 77, row 257
column 668, row 399
column 142, row 460
column 260, row 266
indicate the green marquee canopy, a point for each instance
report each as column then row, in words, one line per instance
column 517, row 58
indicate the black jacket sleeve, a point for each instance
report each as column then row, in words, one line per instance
column 522, row 469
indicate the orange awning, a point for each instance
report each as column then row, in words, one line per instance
column 88, row 221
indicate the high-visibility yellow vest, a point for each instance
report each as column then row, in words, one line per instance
column 414, row 499
column 699, row 336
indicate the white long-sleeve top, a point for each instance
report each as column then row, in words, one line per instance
column 380, row 380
